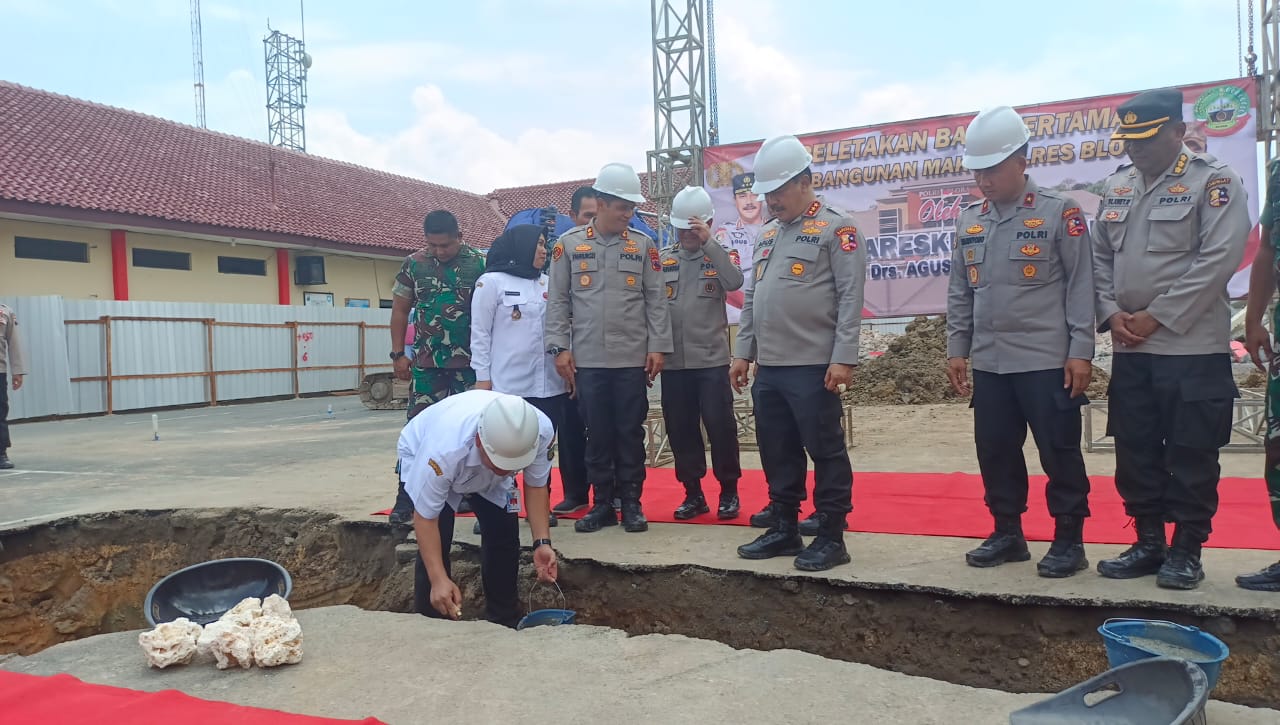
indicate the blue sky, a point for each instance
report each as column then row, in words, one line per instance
column 490, row 93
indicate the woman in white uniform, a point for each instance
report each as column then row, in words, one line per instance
column 507, row 309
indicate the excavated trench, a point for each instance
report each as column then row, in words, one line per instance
column 82, row 576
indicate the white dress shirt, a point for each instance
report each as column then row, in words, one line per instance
column 506, row 336
column 440, row 459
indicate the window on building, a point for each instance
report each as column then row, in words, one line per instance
column 242, row 265
column 386, row 304
column 890, row 221
column 161, row 259
column 50, row 249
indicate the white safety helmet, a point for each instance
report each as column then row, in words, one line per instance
column 509, row 432
column 993, row 135
column 779, row 160
column 692, row 201
column 619, row 180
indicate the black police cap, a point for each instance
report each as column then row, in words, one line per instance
column 1146, row 113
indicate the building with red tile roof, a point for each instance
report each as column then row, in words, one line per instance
column 145, row 202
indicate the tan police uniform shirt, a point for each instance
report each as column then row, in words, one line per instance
column 1020, row 296
column 695, row 284
column 805, row 306
column 1169, row 247
column 606, row 295
column 13, row 360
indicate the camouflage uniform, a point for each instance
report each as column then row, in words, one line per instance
column 1271, row 218
column 442, row 322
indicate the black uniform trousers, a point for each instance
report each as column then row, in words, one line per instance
column 4, row 413
column 1169, row 415
column 554, row 408
column 691, row 397
column 614, row 403
column 794, row 413
column 499, row 562
column 1004, row 406
column 572, row 453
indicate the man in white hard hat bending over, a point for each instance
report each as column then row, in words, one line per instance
column 1020, row 305
column 474, row 443
column 800, row 324
column 696, row 275
column 610, row 278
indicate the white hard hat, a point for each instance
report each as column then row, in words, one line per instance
column 692, row 201
column 779, row 160
column 992, row 136
column 509, row 432
column 619, row 180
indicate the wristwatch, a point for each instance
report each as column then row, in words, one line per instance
column 540, row 542
column 557, row 350
column 397, row 355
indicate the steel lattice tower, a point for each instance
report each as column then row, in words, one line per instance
column 1269, row 81
column 679, row 100
column 287, row 63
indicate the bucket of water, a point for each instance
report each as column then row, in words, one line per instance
column 1127, row 640
column 546, row 617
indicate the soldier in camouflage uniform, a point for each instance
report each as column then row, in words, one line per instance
column 1262, row 285
column 436, row 284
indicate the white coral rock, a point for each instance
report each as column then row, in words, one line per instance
column 277, row 641
column 243, row 614
column 171, row 643
column 277, row 606
column 229, row 643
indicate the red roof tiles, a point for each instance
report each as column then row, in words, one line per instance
column 64, row 152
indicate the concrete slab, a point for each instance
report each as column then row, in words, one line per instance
column 406, row 669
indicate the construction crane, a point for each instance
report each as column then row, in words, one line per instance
column 197, row 61
column 713, row 111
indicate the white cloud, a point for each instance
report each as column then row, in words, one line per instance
column 448, row 146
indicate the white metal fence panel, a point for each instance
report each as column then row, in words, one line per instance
column 44, row 389
column 160, row 354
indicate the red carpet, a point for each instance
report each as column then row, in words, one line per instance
column 64, row 699
column 950, row 504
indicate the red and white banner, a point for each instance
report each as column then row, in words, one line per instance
column 905, row 182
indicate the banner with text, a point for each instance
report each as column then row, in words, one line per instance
column 905, row 183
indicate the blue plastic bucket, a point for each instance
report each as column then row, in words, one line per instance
column 1128, row 640
column 546, row 617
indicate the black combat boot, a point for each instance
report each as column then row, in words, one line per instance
column 767, row 518
column 782, row 539
column 810, row 526
column 601, row 515
column 695, row 503
column 1066, row 553
column 827, row 548
column 1144, row 557
column 402, row 512
column 1004, row 545
column 729, row 506
column 1181, row 568
column 1267, row 580
column 633, row 519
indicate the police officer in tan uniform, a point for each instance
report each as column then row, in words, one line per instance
column 696, row 275
column 1170, row 231
column 800, row 324
column 610, row 277
column 1020, row 304
column 13, row 366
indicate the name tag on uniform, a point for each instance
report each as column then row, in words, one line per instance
column 513, row 499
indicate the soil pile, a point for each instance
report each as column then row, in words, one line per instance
column 910, row 372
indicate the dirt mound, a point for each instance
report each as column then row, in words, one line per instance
column 1097, row 389
column 911, row 370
